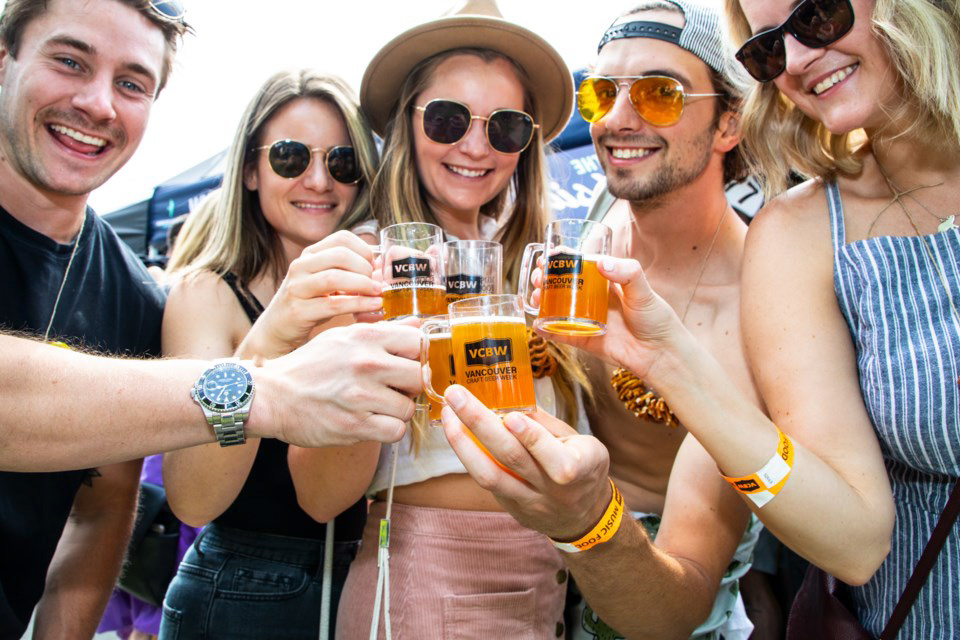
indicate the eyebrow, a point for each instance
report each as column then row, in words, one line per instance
column 73, row 43
column 89, row 49
column 669, row 73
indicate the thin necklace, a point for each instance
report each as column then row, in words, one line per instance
column 946, row 223
column 66, row 272
column 639, row 399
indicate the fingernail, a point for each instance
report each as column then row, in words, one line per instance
column 455, row 396
column 609, row 264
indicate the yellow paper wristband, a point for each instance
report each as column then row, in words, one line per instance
column 763, row 486
column 604, row 529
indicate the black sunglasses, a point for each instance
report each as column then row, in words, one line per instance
column 290, row 158
column 814, row 23
column 447, row 122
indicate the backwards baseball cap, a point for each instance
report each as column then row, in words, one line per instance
column 700, row 34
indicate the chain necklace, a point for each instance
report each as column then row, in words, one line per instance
column 63, row 282
column 926, row 245
column 946, row 223
column 639, row 399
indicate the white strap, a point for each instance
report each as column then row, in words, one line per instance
column 382, row 598
column 327, row 583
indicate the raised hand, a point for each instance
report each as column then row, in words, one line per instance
column 555, row 480
column 330, row 278
column 640, row 324
column 347, row 385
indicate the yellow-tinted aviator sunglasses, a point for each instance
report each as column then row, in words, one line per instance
column 657, row 99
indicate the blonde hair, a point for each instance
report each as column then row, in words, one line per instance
column 922, row 40
column 194, row 233
column 398, row 196
column 236, row 236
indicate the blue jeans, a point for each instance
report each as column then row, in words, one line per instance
column 236, row 584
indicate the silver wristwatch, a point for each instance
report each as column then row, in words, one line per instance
column 225, row 393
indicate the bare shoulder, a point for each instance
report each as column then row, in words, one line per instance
column 798, row 210
column 203, row 316
column 793, row 227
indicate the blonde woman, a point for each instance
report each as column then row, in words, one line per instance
column 854, row 335
column 459, row 565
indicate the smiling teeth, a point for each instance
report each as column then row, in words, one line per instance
column 467, row 173
column 826, row 83
column 625, row 153
column 305, row 205
column 79, row 137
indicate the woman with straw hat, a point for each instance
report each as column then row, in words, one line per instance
column 464, row 103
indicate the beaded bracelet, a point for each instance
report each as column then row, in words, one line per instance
column 763, row 486
column 604, row 529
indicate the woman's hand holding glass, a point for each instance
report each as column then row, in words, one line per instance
column 547, row 476
column 331, row 278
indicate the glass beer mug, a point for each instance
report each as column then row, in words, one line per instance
column 488, row 344
column 573, row 293
column 473, row 268
column 411, row 268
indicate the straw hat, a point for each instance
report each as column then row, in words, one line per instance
column 475, row 24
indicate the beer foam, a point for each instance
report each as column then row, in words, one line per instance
column 487, row 320
column 414, row 283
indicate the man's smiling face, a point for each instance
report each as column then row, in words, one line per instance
column 75, row 101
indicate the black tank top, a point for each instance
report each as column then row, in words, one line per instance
column 267, row 503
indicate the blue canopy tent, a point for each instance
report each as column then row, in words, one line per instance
column 143, row 225
column 180, row 194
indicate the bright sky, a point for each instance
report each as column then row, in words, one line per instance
column 238, row 43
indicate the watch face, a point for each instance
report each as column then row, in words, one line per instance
column 225, row 387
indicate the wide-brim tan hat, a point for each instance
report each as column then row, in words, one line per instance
column 474, row 24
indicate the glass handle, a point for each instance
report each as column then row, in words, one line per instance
column 524, row 290
column 425, row 330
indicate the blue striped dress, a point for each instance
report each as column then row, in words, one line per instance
column 908, row 356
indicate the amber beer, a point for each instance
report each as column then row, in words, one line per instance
column 491, row 360
column 442, row 370
column 412, row 270
column 404, row 299
column 573, row 294
column 573, row 298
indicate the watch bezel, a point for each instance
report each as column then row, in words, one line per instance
column 218, row 407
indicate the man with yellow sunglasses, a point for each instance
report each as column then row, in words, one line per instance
column 663, row 118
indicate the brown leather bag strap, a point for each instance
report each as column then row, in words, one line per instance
column 922, row 570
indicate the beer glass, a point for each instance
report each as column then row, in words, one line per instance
column 573, row 293
column 488, row 339
column 440, row 360
column 473, row 268
column 411, row 266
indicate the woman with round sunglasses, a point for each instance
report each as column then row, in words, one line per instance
column 269, row 267
column 465, row 104
column 852, row 285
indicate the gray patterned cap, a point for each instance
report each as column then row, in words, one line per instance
column 700, row 34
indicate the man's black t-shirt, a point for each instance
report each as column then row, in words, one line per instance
column 109, row 304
